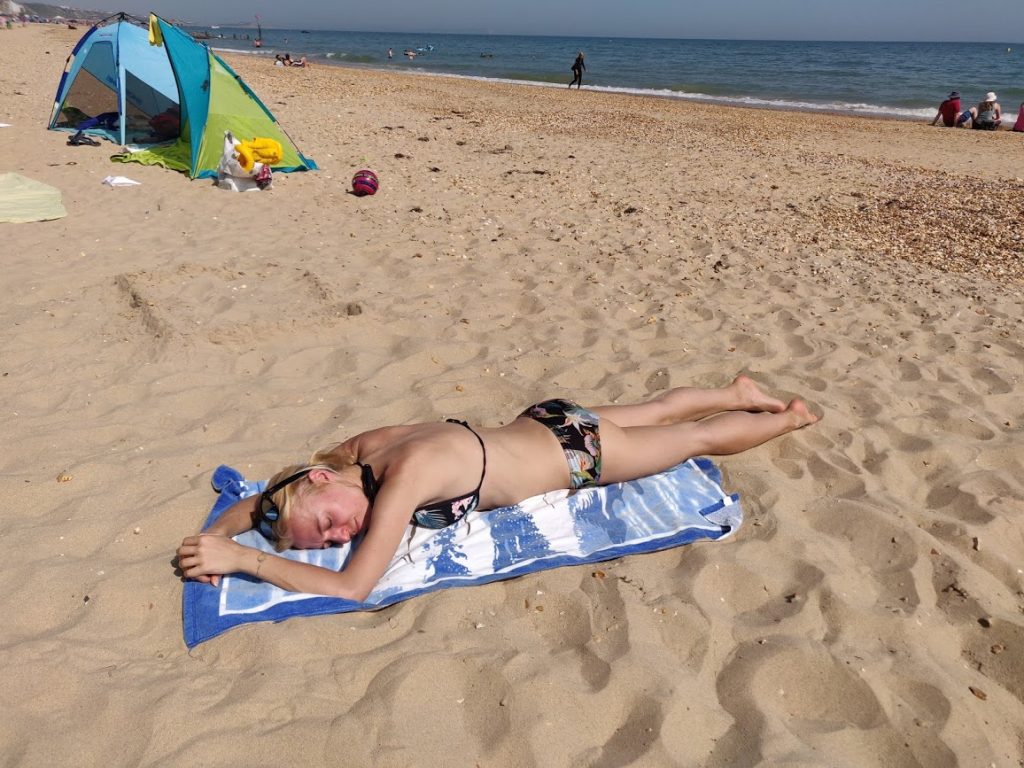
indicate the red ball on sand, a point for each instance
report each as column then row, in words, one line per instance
column 365, row 183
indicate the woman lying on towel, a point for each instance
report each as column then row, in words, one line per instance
column 433, row 475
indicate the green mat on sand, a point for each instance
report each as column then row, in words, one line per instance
column 175, row 156
column 23, row 200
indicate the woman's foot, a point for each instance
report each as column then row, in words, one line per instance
column 751, row 398
column 802, row 415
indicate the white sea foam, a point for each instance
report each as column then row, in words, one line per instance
column 244, row 51
column 872, row 110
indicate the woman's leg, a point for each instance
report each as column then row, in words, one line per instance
column 691, row 404
column 636, row 451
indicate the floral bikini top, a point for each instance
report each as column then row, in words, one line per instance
column 440, row 514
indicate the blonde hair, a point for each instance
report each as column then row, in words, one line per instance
column 326, row 458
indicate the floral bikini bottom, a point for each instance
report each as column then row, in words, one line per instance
column 577, row 430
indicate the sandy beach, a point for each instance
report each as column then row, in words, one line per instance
column 526, row 242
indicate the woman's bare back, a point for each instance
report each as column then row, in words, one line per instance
column 523, row 459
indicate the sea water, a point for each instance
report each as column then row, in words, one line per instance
column 898, row 80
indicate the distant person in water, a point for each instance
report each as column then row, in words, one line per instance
column 391, row 53
column 949, row 110
column 578, row 68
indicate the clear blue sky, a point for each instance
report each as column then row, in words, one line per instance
column 937, row 20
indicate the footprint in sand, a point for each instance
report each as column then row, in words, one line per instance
column 842, row 482
column 631, row 740
column 965, row 507
column 781, row 689
column 751, row 347
column 885, row 549
column 908, row 371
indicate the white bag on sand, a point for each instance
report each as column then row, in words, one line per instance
column 231, row 175
column 120, row 181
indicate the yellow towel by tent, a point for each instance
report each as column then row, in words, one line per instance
column 266, row 151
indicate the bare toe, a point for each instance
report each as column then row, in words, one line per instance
column 753, row 399
column 803, row 414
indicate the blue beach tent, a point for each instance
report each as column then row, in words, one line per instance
column 157, row 87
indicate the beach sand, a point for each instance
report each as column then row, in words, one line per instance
column 526, row 242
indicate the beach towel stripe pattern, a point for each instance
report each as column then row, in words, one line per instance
column 681, row 505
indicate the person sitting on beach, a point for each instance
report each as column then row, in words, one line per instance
column 577, row 71
column 279, row 61
column 949, row 110
column 433, row 475
column 986, row 116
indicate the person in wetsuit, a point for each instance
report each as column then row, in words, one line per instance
column 577, row 71
column 433, row 475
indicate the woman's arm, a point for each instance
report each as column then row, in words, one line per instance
column 233, row 521
column 236, row 519
column 389, row 519
column 209, row 555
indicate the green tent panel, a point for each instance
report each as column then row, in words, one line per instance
column 158, row 88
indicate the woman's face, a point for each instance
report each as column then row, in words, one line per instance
column 328, row 514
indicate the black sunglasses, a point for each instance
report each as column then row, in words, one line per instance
column 267, row 512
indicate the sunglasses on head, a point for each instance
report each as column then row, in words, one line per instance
column 267, row 512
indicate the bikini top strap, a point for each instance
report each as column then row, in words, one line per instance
column 483, row 449
column 370, row 484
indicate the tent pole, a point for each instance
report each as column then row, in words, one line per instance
column 121, row 84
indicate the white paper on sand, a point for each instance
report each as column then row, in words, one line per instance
column 5, row 125
column 120, row 181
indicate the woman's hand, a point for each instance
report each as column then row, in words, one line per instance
column 209, row 556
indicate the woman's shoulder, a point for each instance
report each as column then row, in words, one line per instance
column 391, row 439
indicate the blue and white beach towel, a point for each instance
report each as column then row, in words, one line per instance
column 678, row 506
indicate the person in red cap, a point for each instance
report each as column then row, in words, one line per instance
column 949, row 110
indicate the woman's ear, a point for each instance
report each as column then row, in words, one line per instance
column 321, row 475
